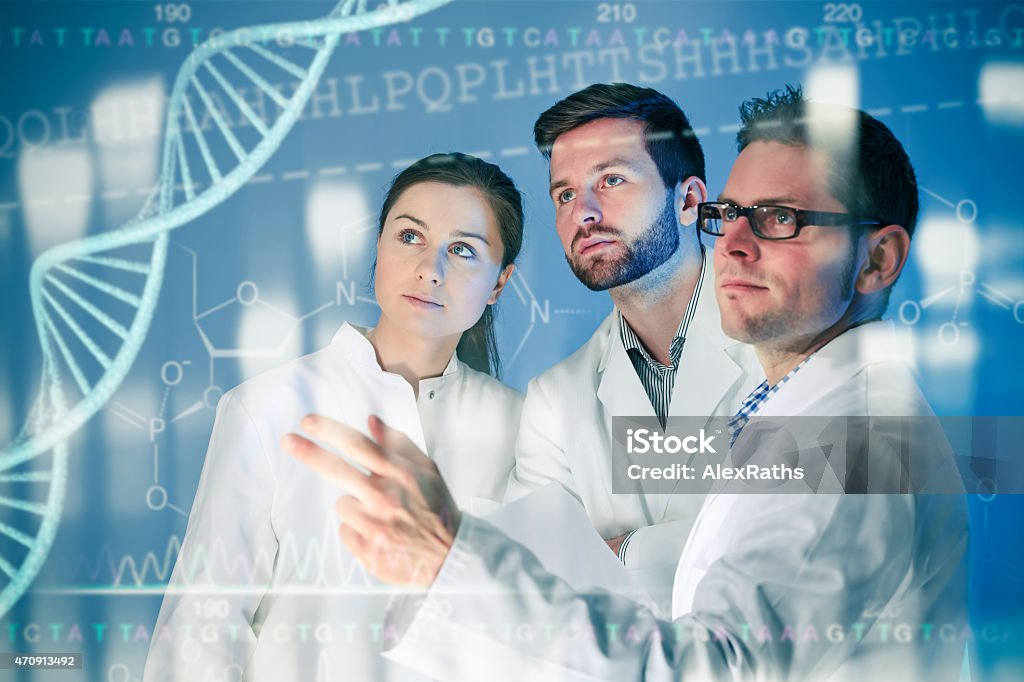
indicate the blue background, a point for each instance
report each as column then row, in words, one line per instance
column 80, row 145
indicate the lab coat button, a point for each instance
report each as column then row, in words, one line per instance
column 431, row 395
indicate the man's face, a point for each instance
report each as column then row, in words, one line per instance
column 614, row 217
column 781, row 293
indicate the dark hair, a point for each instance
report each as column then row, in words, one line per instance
column 669, row 139
column 478, row 346
column 872, row 179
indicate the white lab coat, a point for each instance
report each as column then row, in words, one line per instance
column 863, row 571
column 263, row 589
column 566, row 433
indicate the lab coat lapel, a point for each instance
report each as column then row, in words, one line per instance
column 706, row 373
column 620, row 390
column 833, row 365
column 622, row 395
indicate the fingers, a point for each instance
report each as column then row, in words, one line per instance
column 333, row 468
column 356, row 543
column 351, row 442
column 357, row 527
column 395, row 441
column 352, row 512
column 393, row 562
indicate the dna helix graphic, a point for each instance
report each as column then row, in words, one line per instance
column 93, row 299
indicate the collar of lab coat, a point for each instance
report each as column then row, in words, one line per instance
column 708, row 366
column 360, row 351
column 836, row 363
column 821, row 386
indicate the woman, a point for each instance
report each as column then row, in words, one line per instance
column 262, row 588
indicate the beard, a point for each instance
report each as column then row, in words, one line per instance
column 646, row 252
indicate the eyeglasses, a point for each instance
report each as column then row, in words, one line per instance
column 772, row 222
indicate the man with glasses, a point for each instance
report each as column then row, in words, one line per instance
column 813, row 228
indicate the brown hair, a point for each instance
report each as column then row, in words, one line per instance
column 670, row 141
column 478, row 346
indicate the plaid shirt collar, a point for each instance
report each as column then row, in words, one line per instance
column 756, row 399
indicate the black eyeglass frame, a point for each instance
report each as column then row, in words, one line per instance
column 803, row 219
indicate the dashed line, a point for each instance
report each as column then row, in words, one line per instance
column 483, row 154
column 163, row 404
column 1002, row 99
column 570, row 311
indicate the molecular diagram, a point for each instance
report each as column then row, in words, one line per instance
column 949, row 333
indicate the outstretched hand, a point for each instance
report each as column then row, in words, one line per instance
column 399, row 520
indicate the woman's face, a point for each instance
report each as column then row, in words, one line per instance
column 438, row 260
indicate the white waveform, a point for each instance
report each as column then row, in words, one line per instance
column 313, row 562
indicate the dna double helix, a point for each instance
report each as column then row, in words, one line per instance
column 93, row 299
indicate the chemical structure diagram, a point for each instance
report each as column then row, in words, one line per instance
column 957, row 296
column 910, row 312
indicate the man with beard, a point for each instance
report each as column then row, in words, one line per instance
column 774, row 583
column 626, row 176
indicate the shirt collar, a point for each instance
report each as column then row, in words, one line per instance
column 631, row 342
column 359, row 349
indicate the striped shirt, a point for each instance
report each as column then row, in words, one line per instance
column 658, row 379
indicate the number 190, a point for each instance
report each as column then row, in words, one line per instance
column 172, row 12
